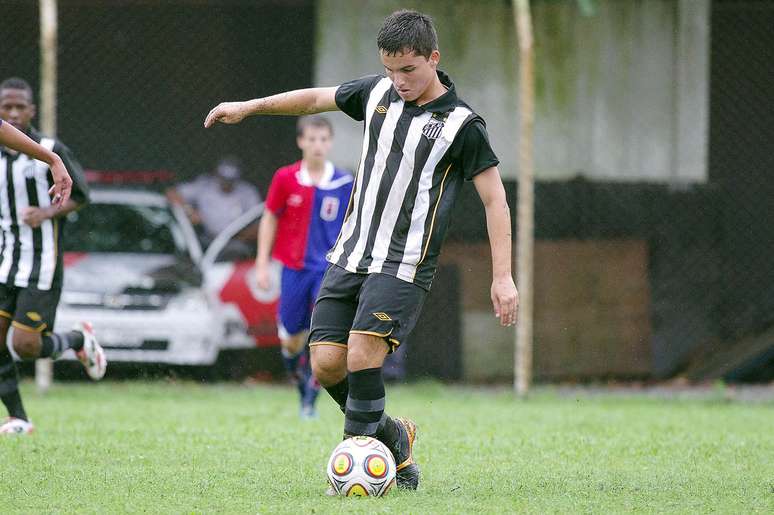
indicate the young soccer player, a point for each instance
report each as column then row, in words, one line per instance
column 31, row 254
column 420, row 142
column 304, row 211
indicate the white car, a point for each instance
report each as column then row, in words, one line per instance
column 134, row 269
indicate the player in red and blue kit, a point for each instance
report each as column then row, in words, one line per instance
column 305, row 209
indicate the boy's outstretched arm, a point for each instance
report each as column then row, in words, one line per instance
column 14, row 139
column 505, row 298
column 294, row 103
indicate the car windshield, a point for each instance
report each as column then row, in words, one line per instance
column 109, row 227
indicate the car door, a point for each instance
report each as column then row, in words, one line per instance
column 228, row 267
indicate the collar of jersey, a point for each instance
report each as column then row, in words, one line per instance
column 442, row 104
column 305, row 180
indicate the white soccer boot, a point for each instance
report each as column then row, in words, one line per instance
column 16, row 426
column 91, row 354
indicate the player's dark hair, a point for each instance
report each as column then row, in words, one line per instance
column 313, row 120
column 17, row 83
column 407, row 31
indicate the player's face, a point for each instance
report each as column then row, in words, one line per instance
column 16, row 108
column 315, row 143
column 411, row 74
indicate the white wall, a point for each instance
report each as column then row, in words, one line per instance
column 620, row 95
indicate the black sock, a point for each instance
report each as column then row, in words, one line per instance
column 339, row 392
column 9, row 386
column 365, row 402
column 54, row 344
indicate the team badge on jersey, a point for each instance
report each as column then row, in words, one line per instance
column 329, row 209
column 433, row 128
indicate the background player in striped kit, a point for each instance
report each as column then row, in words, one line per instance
column 304, row 211
column 420, row 142
column 31, row 257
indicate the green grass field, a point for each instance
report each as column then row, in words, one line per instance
column 184, row 448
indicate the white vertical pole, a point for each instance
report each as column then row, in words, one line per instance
column 522, row 375
column 44, row 368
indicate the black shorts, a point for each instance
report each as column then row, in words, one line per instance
column 29, row 308
column 374, row 304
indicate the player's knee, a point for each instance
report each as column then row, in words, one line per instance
column 365, row 352
column 327, row 369
column 26, row 344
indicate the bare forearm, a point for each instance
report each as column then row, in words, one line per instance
column 498, row 223
column 13, row 138
column 267, row 231
column 297, row 102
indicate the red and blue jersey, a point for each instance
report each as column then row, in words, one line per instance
column 309, row 215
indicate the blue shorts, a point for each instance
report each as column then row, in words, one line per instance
column 298, row 291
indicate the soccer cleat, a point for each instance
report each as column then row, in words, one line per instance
column 91, row 354
column 407, row 471
column 16, row 426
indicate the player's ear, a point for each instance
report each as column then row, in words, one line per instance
column 33, row 110
column 435, row 58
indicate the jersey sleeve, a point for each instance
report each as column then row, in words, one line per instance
column 80, row 191
column 471, row 150
column 277, row 195
column 352, row 96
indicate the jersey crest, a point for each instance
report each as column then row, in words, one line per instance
column 433, row 128
column 329, row 208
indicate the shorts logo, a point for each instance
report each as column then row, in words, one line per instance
column 35, row 317
column 381, row 109
column 434, row 128
column 384, row 317
column 329, row 209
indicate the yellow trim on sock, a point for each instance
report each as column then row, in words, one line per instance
column 6, row 314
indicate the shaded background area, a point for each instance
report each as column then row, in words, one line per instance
column 137, row 78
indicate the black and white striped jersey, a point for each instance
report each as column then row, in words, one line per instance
column 32, row 257
column 413, row 162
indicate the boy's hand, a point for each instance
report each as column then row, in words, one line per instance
column 505, row 300
column 225, row 112
column 63, row 184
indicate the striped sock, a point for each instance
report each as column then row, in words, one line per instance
column 54, row 344
column 365, row 402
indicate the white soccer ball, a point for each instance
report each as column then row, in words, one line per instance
column 361, row 466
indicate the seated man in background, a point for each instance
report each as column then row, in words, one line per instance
column 214, row 200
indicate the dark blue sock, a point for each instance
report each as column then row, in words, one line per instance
column 292, row 365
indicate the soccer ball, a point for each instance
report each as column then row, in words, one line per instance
column 361, row 466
